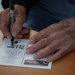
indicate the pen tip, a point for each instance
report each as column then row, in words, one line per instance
column 12, row 41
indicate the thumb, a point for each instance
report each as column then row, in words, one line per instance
column 17, row 27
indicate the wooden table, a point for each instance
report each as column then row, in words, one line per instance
column 64, row 66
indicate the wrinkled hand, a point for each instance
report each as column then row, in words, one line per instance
column 17, row 29
column 54, row 41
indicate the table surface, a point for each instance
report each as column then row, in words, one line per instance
column 63, row 66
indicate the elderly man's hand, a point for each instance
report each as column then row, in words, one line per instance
column 17, row 29
column 54, row 41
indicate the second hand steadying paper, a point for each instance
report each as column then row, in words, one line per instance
column 11, row 3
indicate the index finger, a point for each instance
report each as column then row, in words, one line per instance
column 43, row 33
column 4, row 21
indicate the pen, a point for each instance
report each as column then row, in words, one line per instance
column 11, row 5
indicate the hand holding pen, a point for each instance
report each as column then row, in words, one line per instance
column 17, row 28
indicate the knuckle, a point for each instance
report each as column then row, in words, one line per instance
column 17, row 29
column 42, row 42
column 34, row 39
column 42, row 33
column 50, row 47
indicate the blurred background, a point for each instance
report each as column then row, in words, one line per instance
column 1, row 6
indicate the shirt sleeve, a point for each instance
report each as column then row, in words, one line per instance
column 27, row 3
column 5, row 3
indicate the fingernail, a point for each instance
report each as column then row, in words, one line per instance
column 30, row 42
column 35, row 56
column 48, row 60
column 14, row 34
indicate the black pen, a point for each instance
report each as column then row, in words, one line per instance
column 11, row 5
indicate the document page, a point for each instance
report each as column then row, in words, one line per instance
column 16, row 55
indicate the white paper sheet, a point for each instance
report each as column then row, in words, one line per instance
column 16, row 56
